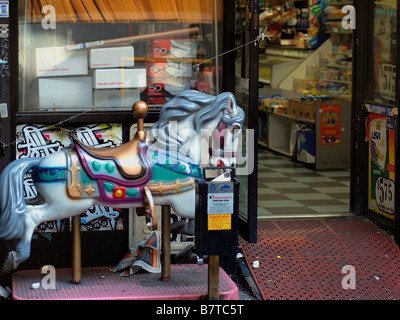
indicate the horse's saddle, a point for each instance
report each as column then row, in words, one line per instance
column 121, row 173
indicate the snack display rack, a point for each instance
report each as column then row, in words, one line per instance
column 308, row 74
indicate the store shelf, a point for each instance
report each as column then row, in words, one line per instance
column 338, row 3
column 262, row 144
column 312, row 121
column 281, row 135
column 338, row 67
column 285, row 150
column 336, row 81
column 340, row 32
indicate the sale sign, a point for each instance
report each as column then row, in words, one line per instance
column 381, row 179
column 330, row 124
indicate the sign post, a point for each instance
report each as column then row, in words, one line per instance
column 216, row 224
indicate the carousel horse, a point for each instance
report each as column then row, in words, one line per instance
column 154, row 168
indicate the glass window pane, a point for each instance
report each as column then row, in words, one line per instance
column 384, row 54
column 106, row 54
column 242, row 98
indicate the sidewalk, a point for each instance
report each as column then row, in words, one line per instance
column 323, row 259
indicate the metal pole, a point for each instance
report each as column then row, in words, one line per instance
column 213, row 278
column 76, row 250
column 166, row 244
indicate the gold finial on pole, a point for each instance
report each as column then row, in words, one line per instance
column 139, row 110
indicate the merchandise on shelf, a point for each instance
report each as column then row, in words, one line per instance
column 333, row 76
column 98, row 41
column 305, row 146
column 294, row 23
column 113, row 57
column 119, row 78
column 336, row 26
column 56, row 61
column 274, row 104
column 333, row 12
column 305, row 108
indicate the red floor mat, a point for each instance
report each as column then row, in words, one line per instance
column 188, row 282
column 304, row 260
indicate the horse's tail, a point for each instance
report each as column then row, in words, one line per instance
column 12, row 202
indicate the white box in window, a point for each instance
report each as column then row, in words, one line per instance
column 112, row 57
column 57, row 61
column 174, row 48
column 123, row 98
column 168, row 68
column 65, row 92
column 119, row 78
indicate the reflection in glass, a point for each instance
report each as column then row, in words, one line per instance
column 103, row 54
column 384, row 45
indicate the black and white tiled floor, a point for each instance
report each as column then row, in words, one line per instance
column 288, row 188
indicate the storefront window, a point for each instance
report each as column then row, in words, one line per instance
column 384, row 59
column 103, row 54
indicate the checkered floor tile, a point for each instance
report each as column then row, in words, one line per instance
column 288, row 187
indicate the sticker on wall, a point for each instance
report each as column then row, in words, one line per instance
column 387, row 81
column 330, row 124
column 4, row 31
column 381, row 178
column 384, row 50
column 3, row 110
column 42, row 140
column 4, row 9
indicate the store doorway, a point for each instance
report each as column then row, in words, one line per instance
column 311, row 177
column 290, row 189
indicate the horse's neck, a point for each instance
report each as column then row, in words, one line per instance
column 192, row 147
column 187, row 153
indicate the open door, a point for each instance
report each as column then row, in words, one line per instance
column 375, row 108
column 246, row 92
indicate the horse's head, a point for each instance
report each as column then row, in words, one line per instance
column 225, row 137
column 198, row 128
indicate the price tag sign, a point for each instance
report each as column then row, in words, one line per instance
column 387, row 81
column 384, row 193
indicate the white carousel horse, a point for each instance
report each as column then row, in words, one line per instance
column 158, row 168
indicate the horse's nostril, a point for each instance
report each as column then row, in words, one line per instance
column 236, row 126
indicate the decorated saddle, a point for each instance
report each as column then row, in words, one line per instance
column 121, row 173
column 114, row 175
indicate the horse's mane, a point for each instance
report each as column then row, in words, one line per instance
column 189, row 102
column 197, row 109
